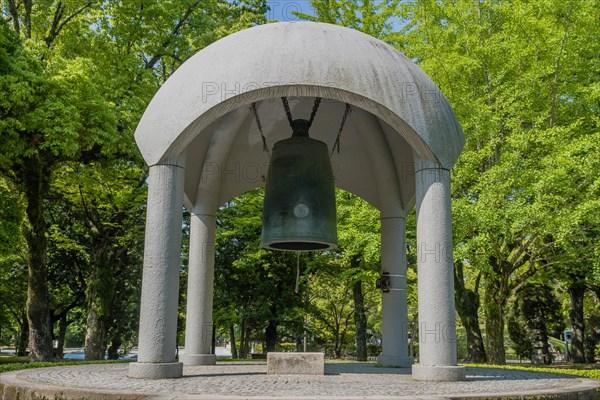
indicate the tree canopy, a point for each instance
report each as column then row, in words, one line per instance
column 75, row 78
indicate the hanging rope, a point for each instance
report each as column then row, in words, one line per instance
column 336, row 144
column 297, row 288
column 258, row 124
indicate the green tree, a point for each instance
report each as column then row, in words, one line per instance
column 567, row 199
column 254, row 288
column 538, row 309
column 14, row 328
column 375, row 18
column 359, row 254
column 517, row 83
column 96, row 237
column 331, row 308
column 51, row 113
column 359, row 226
column 74, row 95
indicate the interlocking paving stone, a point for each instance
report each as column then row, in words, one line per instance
column 249, row 380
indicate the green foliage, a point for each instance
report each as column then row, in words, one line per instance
column 253, row 286
column 525, row 189
column 286, row 347
column 11, row 217
column 521, row 77
column 9, row 45
column 76, row 78
column 375, row 18
column 539, row 305
column 522, row 91
column 331, row 311
column 52, row 114
column 592, row 346
column 359, row 235
column 13, row 267
column 521, row 342
column 534, row 312
column 333, row 307
column 373, row 350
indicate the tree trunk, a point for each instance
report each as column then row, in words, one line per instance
column 413, row 328
column 99, row 297
column 213, row 344
column 94, row 335
column 242, row 339
column 38, row 312
column 247, row 341
column 337, row 350
column 467, row 306
column 234, row 353
column 60, row 339
column 271, row 336
column 576, row 292
column 494, row 325
column 28, row 8
column 545, row 347
column 360, row 321
column 590, row 345
column 21, row 349
column 475, row 347
column 14, row 15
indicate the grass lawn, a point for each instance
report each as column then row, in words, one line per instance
column 585, row 370
column 461, row 342
column 11, row 363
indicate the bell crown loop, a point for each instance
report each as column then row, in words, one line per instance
column 300, row 128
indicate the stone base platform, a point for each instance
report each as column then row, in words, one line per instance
column 295, row 363
column 233, row 381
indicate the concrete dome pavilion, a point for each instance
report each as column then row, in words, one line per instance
column 203, row 147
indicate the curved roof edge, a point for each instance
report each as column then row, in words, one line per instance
column 300, row 59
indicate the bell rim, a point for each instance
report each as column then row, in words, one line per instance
column 330, row 245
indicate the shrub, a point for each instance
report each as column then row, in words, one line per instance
column 373, row 350
column 286, row 347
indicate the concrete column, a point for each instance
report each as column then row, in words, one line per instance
column 437, row 324
column 160, row 281
column 394, row 303
column 198, row 328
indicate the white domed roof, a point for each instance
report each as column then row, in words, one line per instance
column 203, row 108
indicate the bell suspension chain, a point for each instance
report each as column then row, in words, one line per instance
column 288, row 113
column 336, row 144
column 314, row 111
column 260, row 130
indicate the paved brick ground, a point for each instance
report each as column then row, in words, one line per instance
column 249, row 381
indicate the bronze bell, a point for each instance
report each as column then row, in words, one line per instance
column 299, row 206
